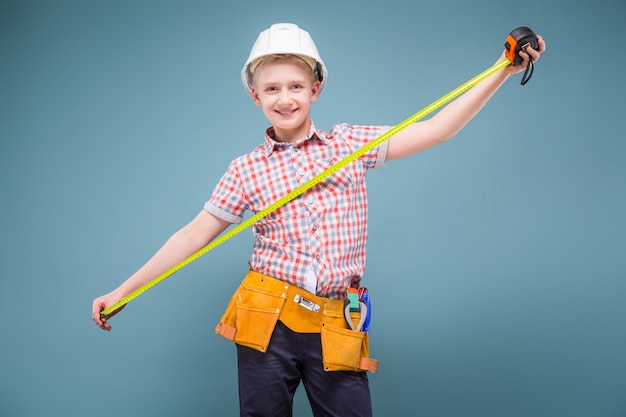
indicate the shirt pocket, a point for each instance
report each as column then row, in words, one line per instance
column 340, row 181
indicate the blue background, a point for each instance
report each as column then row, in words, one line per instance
column 496, row 261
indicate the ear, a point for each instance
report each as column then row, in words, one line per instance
column 255, row 97
column 315, row 91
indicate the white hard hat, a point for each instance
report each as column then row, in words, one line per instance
column 284, row 38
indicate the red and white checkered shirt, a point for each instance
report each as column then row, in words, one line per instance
column 316, row 241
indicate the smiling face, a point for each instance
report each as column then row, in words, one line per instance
column 285, row 89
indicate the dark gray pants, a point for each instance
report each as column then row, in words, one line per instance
column 268, row 381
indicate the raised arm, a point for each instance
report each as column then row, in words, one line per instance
column 452, row 118
column 182, row 244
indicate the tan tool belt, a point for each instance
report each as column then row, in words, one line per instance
column 260, row 301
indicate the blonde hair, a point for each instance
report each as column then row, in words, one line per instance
column 304, row 62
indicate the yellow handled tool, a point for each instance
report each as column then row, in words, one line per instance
column 311, row 183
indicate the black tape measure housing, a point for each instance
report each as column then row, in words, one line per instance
column 518, row 40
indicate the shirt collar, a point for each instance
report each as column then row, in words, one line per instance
column 271, row 144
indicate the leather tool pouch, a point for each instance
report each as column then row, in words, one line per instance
column 342, row 348
column 260, row 301
column 252, row 313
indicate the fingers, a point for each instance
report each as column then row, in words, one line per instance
column 542, row 44
column 532, row 53
column 101, row 321
column 99, row 305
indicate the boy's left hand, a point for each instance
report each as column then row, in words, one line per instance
column 535, row 54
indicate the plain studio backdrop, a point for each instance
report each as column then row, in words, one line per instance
column 495, row 261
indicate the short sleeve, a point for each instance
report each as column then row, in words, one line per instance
column 228, row 200
column 359, row 136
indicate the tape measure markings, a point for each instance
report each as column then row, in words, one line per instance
column 309, row 184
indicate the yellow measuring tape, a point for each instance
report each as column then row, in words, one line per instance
column 311, row 183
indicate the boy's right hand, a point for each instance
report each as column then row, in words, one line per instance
column 100, row 304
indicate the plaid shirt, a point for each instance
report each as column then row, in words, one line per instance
column 321, row 234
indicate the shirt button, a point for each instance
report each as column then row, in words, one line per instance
column 314, row 227
column 309, row 201
column 318, row 257
column 301, row 172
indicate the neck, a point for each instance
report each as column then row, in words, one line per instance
column 291, row 135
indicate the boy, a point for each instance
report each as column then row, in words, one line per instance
column 314, row 246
